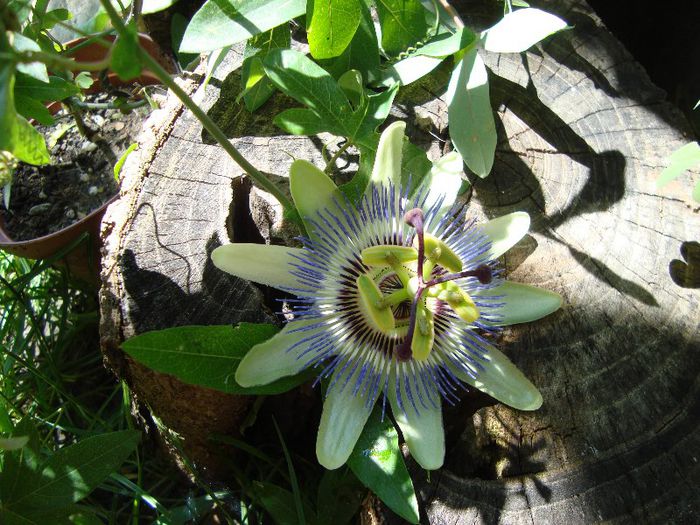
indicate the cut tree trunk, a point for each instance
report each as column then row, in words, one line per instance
column 583, row 136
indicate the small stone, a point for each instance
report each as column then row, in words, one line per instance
column 118, row 126
column 88, row 147
column 115, row 115
column 70, row 214
column 42, row 195
column 84, row 177
column 92, row 190
column 40, row 209
column 99, row 120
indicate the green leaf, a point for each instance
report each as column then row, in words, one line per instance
column 403, row 24
column 680, row 160
column 7, row 517
column 415, row 165
column 221, row 23
column 55, row 16
column 259, row 88
column 339, row 496
column 520, row 30
column 408, row 70
column 31, row 108
column 84, row 80
column 379, row 465
column 75, row 471
column 28, row 144
column 154, row 6
column 120, row 163
column 351, row 84
column 125, row 54
column 206, row 355
column 56, row 88
column 362, row 54
column 471, row 124
column 36, row 70
column 300, row 121
column 331, row 26
column 21, row 8
column 178, row 26
column 446, row 44
column 20, row 468
column 277, row 502
column 13, row 443
column 7, row 103
column 300, row 78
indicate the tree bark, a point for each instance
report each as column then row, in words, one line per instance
column 583, row 134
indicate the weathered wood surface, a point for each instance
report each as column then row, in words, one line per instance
column 583, row 135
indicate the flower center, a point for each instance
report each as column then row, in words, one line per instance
column 405, row 285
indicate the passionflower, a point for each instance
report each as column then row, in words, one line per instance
column 397, row 297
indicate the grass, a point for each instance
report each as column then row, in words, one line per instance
column 52, row 375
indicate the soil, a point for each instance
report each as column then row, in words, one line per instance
column 80, row 178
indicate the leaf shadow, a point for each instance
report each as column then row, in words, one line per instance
column 513, row 181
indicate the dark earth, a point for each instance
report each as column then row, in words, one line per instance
column 79, row 179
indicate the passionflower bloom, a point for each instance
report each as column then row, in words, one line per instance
column 396, row 300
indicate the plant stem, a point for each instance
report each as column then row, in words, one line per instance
column 108, row 105
column 454, row 15
column 331, row 162
column 56, row 61
column 205, row 120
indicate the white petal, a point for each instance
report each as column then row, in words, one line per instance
column 277, row 357
column 506, row 231
column 343, row 418
column 502, row 380
column 264, row 264
column 387, row 164
column 422, row 429
column 523, row 303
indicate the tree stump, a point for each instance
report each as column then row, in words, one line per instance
column 583, row 136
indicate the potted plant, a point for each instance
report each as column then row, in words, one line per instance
column 40, row 77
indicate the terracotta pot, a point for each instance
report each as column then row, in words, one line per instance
column 83, row 260
column 95, row 52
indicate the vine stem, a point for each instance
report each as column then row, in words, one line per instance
column 203, row 118
column 50, row 60
column 331, row 162
column 452, row 12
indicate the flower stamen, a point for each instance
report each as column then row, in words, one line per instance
column 417, row 344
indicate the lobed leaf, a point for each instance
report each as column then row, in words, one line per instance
column 300, row 78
